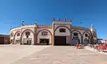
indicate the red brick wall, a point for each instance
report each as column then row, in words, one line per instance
column 4, row 40
column 1, row 40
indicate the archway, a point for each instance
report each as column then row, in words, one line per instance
column 62, row 35
column 76, row 37
column 86, row 38
column 44, row 37
column 27, row 37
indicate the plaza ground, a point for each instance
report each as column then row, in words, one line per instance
column 16, row 54
column 11, row 53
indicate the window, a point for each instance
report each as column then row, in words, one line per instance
column 18, row 34
column 86, row 35
column 75, row 34
column 62, row 30
column 44, row 33
column 27, row 34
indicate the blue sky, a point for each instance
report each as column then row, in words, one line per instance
column 13, row 12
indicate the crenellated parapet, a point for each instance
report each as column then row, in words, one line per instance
column 59, row 20
column 63, row 22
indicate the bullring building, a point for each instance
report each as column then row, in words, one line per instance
column 58, row 33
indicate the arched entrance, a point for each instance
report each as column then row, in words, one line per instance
column 76, row 37
column 27, row 37
column 62, row 35
column 44, row 37
column 86, row 38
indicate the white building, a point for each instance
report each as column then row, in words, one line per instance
column 101, row 41
column 59, row 33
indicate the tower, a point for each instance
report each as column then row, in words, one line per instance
column 61, row 32
column 93, row 34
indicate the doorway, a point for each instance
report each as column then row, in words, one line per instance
column 60, row 40
column 44, row 41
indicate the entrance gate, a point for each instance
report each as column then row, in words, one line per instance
column 60, row 40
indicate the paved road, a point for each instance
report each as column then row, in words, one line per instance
column 11, row 53
column 63, row 55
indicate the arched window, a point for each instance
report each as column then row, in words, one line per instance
column 18, row 34
column 44, row 33
column 27, row 34
column 75, row 34
column 62, row 30
column 86, row 35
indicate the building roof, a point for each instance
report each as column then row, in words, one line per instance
column 78, row 27
column 2, row 35
column 44, row 26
